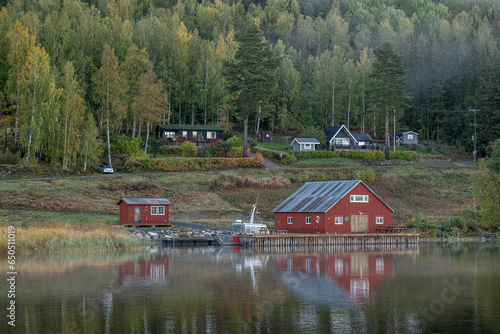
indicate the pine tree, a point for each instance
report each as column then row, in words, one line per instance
column 251, row 75
column 388, row 83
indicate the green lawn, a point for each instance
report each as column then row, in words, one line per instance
column 277, row 144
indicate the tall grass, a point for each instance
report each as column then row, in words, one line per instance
column 224, row 182
column 64, row 237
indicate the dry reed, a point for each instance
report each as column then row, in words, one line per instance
column 63, row 237
column 274, row 182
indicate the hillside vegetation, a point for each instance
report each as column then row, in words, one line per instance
column 73, row 71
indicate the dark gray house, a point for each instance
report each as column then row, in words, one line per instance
column 176, row 134
column 338, row 137
column 305, row 144
column 407, row 138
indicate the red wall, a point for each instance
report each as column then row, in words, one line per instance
column 127, row 215
column 344, row 208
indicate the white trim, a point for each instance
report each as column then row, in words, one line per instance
column 357, row 199
column 349, row 132
column 308, row 219
column 339, row 220
column 161, row 211
column 379, row 220
column 154, row 210
column 289, row 220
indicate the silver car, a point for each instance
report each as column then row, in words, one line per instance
column 105, row 168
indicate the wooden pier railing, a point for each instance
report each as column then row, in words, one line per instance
column 306, row 240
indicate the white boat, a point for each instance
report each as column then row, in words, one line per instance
column 232, row 238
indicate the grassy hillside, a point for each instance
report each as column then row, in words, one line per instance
column 433, row 191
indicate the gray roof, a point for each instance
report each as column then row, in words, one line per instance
column 190, row 127
column 319, row 196
column 361, row 136
column 331, row 132
column 402, row 133
column 145, row 201
column 306, row 141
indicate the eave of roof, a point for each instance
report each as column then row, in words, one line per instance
column 320, row 196
column 337, row 130
column 145, row 201
column 306, row 141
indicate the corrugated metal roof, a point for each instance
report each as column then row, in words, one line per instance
column 319, row 196
column 190, row 127
column 145, row 201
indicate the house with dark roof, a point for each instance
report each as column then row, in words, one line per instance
column 176, row 134
column 332, row 207
column 144, row 211
column 339, row 137
column 305, row 144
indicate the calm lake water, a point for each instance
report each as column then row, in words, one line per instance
column 429, row 288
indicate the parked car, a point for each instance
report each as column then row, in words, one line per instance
column 105, row 167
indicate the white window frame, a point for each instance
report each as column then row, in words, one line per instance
column 289, row 220
column 339, row 220
column 170, row 134
column 379, row 220
column 307, row 146
column 410, row 136
column 211, row 135
column 308, row 220
column 359, row 198
column 195, row 133
column 184, row 133
column 161, row 211
column 154, row 210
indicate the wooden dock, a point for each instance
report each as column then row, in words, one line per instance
column 326, row 240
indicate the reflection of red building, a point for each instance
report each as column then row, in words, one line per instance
column 146, row 271
column 357, row 274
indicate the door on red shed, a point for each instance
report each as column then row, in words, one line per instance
column 359, row 223
column 137, row 214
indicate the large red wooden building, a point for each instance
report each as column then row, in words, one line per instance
column 332, row 207
column 144, row 211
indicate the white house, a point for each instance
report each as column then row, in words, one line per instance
column 305, row 144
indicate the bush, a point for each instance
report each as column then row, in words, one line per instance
column 252, row 143
column 229, row 134
column 231, row 182
column 9, row 158
column 123, row 144
column 259, row 157
column 236, row 141
column 206, row 152
column 280, row 156
column 403, row 155
column 189, row 164
column 188, row 149
column 315, row 155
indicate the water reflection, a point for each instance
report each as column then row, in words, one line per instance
column 233, row 290
column 337, row 279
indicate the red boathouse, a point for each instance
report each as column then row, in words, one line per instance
column 332, row 207
column 144, row 211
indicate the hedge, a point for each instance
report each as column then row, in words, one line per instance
column 315, row 154
column 285, row 158
column 379, row 155
column 189, row 164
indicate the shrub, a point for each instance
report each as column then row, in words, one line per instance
column 403, row 155
column 188, row 149
column 259, row 157
column 189, row 164
column 280, row 156
column 9, row 158
column 225, row 182
column 236, row 141
column 315, row 154
column 123, row 144
column 229, row 134
column 252, row 143
column 206, row 152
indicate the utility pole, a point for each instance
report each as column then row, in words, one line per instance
column 475, row 133
column 394, row 138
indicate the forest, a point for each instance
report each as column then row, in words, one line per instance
column 72, row 70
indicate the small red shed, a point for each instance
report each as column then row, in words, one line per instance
column 332, row 207
column 144, row 211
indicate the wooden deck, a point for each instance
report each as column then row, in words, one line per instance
column 306, row 240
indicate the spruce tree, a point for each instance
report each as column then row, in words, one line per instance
column 388, row 83
column 251, row 75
